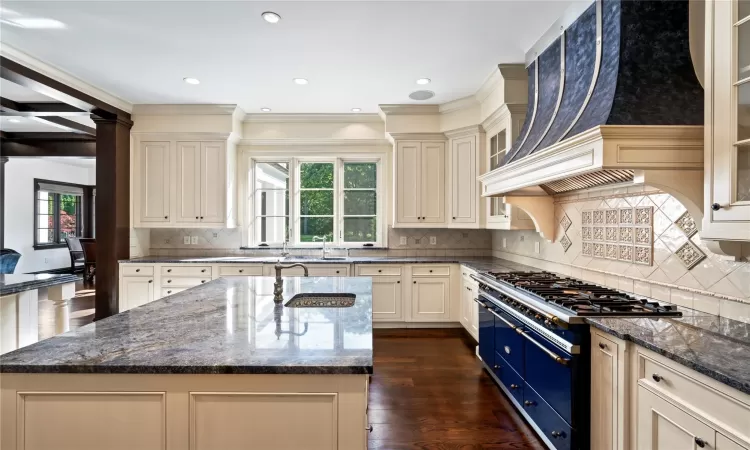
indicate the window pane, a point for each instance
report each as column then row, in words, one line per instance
column 360, row 175
column 493, row 145
column 501, row 140
column 45, row 236
column 744, row 9
column 316, row 175
column 743, row 110
column 272, row 203
column 360, row 203
column 67, row 225
column 45, row 206
column 743, row 51
column 360, row 229
column 315, row 226
column 316, row 203
column 743, row 174
column 271, row 229
column 271, row 175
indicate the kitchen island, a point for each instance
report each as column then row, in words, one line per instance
column 214, row 367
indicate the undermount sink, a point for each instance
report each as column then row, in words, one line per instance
column 321, row 300
column 334, row 258
column 319, row 258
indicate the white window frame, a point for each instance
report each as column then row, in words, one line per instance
column 338, row 159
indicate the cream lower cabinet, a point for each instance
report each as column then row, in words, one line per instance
column 420, row 184
column 469, row 308
column 313, row 270
column 135, row 291
column 663, row 426
column 430, row 299
column 387, row 291
column 607, row 392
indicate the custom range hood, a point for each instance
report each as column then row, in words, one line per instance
column 614, row 98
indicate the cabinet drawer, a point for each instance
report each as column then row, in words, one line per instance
column 373, row 271
column 552, row 425
column 419, row 271
column 129, row 270
column 236, row 270
column 728, row 411
column 326, row 271
column 187, row 270
column 169, row 291
column 509, row 377
column 168, row 282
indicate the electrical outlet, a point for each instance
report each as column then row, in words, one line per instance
column 536, row 247
column 194, row 240
column 522, row 238
column 433, row 240
column 402, row 240
column 216, row 235
column 186, row 240
column 166, row 241
column 505, row 243
column 46, row 260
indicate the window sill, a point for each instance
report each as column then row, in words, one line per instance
column 49, row 246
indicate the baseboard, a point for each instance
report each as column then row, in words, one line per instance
column 416, row 325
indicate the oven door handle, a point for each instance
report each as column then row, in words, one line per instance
column 558, row 359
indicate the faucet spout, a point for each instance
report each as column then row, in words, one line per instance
column 278, row 285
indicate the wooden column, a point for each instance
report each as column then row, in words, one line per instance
column 3, row 160
column 112, row 208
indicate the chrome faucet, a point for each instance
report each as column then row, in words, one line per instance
column 278, row 285
column 324, row 238
column 284, row 250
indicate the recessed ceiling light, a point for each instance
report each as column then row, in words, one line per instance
column 36, row 23
column 265, row 109
column 271, row 17
column 423, row 81
column 190, row 80
column 14, row 120
column 300, row 80
column 356, row 109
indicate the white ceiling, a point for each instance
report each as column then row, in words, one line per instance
column 355, row 53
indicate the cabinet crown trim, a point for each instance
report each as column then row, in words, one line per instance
column 464, row 131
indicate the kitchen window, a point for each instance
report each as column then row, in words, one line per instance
column 302, row 200
column 57, row 213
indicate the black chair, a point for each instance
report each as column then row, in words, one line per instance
column 76, row 253
column 8, row 260
column 89, row 258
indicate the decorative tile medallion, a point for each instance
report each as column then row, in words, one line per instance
column 612, row 251
column 642, row 255
column 687, row 224
column 612, row 217
column 644, row 215
column 565, row 222
column 690, row 255
column 626, row 216
column 626, row 253
column 626, row 235
column 565, row 242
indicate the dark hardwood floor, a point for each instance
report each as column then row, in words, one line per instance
column 429, row 392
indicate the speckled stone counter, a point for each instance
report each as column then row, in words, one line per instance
column 15, row 283
column 714, row 346
column 227, row 326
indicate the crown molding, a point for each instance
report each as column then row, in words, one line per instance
column 464, row 131
column 489, row 85
column 458, row 104
column 199, row 136
column 416, row 136
column 513, row 71
column 185, row 110
column 312, row 118
column 504, row 112
column 291, row 142
column 400, row 110
column 60, row 75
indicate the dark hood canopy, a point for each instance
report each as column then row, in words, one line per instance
column 640, row 74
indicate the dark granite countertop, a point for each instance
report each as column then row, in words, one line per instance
column 15, row 283
column 478, row 264
column 227, row 326
column 714, row 346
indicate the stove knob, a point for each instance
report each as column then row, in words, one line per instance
column 537, row 317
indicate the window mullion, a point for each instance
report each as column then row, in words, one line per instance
column 56, row 225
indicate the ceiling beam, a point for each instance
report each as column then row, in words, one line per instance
column 67, row 125
column 48, row 148
column 10, row 107
column 31, row 79
column 44, row 136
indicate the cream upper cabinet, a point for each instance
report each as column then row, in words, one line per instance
column 188, row 186
column 464, row 186
column 727, row 124
column 420, row 184
column 663, row 426
column 155, row 182
column 213, row 185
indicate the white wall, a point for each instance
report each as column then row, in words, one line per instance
column 19, row 208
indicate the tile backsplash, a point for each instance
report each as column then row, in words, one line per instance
column 683, row 271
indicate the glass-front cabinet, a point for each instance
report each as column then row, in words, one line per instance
column 727, row 157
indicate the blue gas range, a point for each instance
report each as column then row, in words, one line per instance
column 534, row 341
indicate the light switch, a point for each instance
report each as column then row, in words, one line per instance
column 186, row 240
column 536, row 247
column 433, row 240
column 402, row 240
column 505, row 243
column 194, row 240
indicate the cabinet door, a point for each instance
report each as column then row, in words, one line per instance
column 155, row 181
column 466, row 303
column 604, row 393
column 724, row 443
column 430, row 299
column 464, row 173
column 407, row 182
column 213, row 188
column 663, row 426
column 386, row 299
column 188, row 181
column 474, row 307
column 136, row 291
column 432, row 182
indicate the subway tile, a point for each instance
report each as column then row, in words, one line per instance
column 660, row 292
column 735, row 310
column 680, row 297
column 707, row 303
